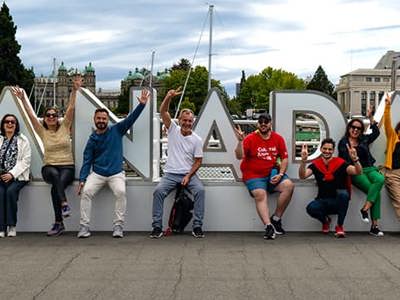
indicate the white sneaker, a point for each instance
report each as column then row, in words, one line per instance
column 12, row 231
column 84, row 232
column 118, row 231
column 2, row 234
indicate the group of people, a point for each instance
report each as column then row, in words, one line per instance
column 264, row 162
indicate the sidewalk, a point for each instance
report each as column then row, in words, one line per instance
column 220, row 266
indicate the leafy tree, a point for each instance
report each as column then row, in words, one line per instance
column 12, row 71
column 320, row 82
column 187, row 104
column 183, row 64
column 255, row 90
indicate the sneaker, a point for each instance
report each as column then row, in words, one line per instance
column 156, row 233
column 118, row 232
column 269, row 232
column 277, row 226
column 2, row 234
column 56, row 230
column 66, row 211
column 84, row 232
column 364, row 216
column 12, row 231
column 326, row 225
column 339, row 231
column 198, row 232
column 375, row 231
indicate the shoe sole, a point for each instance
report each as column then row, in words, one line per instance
column 269, row 237
column 84, row 236
column 56, row 234
column 340, row 236
column 156, row 236
column 198, row 236
column 376, row 235
column 118, row 236
column 276, row 231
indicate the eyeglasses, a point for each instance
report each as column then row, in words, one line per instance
column 10, row 122
column 356, row 127
column 266, row 122
column 50, row 115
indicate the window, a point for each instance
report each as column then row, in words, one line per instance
column 372, row 100
column 364, row 103
column 377, row 79
column 368, row 79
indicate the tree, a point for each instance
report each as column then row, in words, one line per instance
column 320, row 82
column 187, row 104
column 12, row 71
column 255, row 90
column 183, row 64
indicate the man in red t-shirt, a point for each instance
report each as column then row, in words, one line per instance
column 259, row 152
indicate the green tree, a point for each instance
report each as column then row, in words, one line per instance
column 183, row 64
column 12, row 71
column 255, row 90
column 187, row 104
column 320, row 82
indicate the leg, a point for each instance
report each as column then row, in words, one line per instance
column 374, row 192
column 118, row 187
column 167, row 184
column 197, row 189
column 92, row 185
column 66, row 178
column 392, row 181
column 12, row 195
column 51, row 175
column 260, row 197
column 341, row 204
column 362, row 182
column 3, row 189
column 316, row 209
column 285, row 189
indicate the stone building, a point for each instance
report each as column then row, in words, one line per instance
column 363, row 88
column 142, row 78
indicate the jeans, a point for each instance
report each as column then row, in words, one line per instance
column 9, row 193
column 169, row 182
column 321, row 208
column 59, row 177
column 92, row 185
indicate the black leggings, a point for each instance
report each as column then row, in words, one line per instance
column 59, row 177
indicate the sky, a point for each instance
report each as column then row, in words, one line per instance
column 119, row 35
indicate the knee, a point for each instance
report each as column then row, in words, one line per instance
column 343, row 195
column 288, row 185
column 120, row 193
column 199, row 191
column 159, row 192
column 312, row 208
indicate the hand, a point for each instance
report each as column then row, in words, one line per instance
column 185, row 180
column 173, row 93
column 77, row 83
column 7, row 177
column 144, row 96
column 370, row 114
column 388, row 101
column 275, row 179
column 304, row 152
column 18, row 92
column 80, row 188
column 239, row 133
column 352, row 152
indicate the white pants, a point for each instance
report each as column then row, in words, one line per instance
column 93, row 184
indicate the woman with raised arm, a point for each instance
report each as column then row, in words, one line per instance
column 371, row 181
column 392, row 162
column 15, row 160
column 59, row 168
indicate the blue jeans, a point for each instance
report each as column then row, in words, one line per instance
column 321, row 208
column 9, row 193
column 169, row 182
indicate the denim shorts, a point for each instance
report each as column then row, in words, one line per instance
column 264, row 182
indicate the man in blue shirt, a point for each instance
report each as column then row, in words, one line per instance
column 103, row 152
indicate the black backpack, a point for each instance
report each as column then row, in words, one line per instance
column 181, row 211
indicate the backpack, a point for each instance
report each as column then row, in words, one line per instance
column 181, row 212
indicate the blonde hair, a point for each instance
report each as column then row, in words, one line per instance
column 185, row 111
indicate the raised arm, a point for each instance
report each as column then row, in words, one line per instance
column 20, row 94
column 357, row 168
column 387, row 118
column 374, row 127
column 239, row 148
column 164, row 107
column 303, row 172
column 76, row 85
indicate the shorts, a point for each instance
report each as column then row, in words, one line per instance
column 264, row 182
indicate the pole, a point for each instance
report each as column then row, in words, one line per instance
column 211, row 7
column 151, row 69
column 54, row 81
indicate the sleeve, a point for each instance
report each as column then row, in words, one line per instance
column 22, row 164
column 342, row 149
column 387, row 122
column 87, row 160
column 374, row 134
column 124, row 125
column 282, row 150
column 247, row 145
column 198, row 148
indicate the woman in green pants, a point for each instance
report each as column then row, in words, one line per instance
column 371, row 181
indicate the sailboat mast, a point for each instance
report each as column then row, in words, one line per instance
column 211, row 7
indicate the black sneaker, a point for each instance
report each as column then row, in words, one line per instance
column 364, row 216
column 198, row 232
column 277, row 226
column 269, row 232
column 156, row 233
column 375, row 231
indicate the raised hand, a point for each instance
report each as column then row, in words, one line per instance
column 77, row 83
column 352, row 152
column 173, row 93
column 144, row 96
column 387, row 100
column 239, row 133
column 304, row 152
column 370, row 113
column 18, row 92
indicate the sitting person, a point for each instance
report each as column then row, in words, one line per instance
column 331, row 174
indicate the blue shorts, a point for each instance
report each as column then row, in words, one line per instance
column 264, row 182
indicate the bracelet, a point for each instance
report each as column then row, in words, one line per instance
column 356, row 161
column 281, row 174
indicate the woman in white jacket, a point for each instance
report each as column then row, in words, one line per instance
column 15, row 161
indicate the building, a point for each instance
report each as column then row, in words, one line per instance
column 142, row 78
column 364, row 88
column 110, row 98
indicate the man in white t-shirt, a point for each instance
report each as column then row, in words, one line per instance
column 185, row 153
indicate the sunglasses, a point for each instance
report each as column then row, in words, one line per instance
column 356, row 127
column 50, row 115
column 10, row 122
column 264, row 122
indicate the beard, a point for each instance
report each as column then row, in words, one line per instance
column 101, row 125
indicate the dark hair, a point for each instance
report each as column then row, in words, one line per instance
column 3, row 121
column 347, row 134
column 328, row 141
column 102, row 110
column 44, row 115
column 397, row 128
column 264, row 117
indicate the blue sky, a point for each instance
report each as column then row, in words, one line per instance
column 117, row 36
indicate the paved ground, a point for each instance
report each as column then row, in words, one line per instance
column 220, row 266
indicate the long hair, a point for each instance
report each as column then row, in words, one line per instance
column 347, row 134
column 3, row 121
column 44, row 116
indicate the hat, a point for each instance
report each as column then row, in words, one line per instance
column 264, row 117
